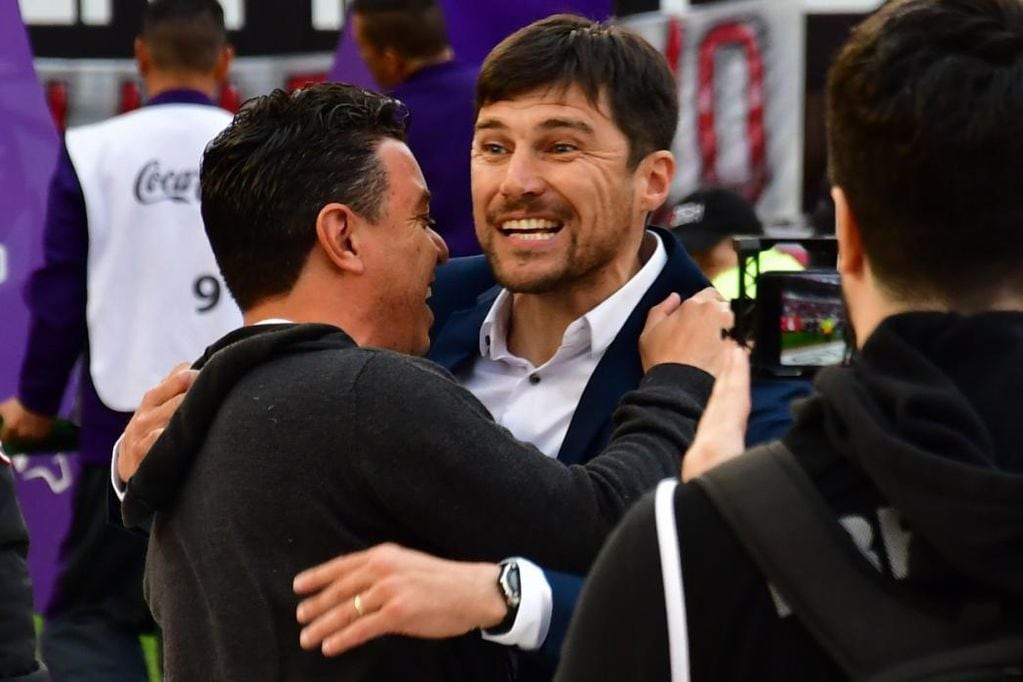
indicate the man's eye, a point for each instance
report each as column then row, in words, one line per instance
column 563, row 148
column 428, row 222
column 492, row 148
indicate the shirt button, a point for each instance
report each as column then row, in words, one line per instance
column 534, row 379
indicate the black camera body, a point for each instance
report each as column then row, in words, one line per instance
column 796, row 323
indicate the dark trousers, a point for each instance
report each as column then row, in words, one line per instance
column 97, row 611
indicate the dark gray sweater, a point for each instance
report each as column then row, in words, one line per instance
column 295, row 446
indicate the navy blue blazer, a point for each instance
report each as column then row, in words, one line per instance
column 456, row 340
column 463, row 294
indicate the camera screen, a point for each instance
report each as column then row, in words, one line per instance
column 812, row 322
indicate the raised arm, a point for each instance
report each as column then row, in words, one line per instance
column 411, row 604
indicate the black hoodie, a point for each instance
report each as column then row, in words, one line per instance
column 917, row 449
column 294, row 445
column 932, row 414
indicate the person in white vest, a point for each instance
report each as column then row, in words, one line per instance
column 129, row 285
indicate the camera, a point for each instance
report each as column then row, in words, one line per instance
column 796, row 322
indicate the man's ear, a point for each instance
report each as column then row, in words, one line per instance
column 143, row 60
column 656, row 173
column 397, row 66
column 223, row 63
column 338, row 237
column 851, row 263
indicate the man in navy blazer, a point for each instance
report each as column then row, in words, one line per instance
column 570, row 153
column 463, row 294
column 465, row 290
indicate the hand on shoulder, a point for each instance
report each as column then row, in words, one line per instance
column 688, row 332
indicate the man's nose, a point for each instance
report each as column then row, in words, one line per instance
column 522, row 176
column 442, row 248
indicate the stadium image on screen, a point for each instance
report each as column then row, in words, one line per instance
column 812, row 323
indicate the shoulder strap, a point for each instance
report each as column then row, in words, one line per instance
column 671, row 575
column 778, row 515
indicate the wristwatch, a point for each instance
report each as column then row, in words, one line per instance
column 509, row 586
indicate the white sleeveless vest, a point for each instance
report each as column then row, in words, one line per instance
column 155, row 294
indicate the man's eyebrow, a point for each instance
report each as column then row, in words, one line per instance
column 490, row 124
column 424, row 199
column 549, row 124
column 572, row 124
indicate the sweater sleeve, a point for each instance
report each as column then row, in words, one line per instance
column 56, row 295
column 449, row 473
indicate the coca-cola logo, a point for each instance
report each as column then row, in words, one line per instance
column 154, row 185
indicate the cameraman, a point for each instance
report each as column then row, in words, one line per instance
column 915, row 448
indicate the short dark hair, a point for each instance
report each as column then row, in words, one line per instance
column 925, row 136
column 184, row 35
column 284, row 156
column 414, row 29
column 565, row 50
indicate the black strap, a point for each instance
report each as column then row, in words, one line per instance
column 778, row 515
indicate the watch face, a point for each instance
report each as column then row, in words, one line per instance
column 510, row 586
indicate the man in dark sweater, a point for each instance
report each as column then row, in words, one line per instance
column 915, row 447
column 337, row 232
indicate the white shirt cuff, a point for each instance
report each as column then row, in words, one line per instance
column 534, row 617
column 115, row 480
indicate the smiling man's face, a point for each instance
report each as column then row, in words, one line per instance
column 401, row 251
column 554, row 201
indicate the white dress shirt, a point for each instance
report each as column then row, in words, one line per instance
column 537, row 404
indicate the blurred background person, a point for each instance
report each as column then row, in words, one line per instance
column 405, row 45
column 705, row 222
column 129, row 284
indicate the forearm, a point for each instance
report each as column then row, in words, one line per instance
column 56, row 296
column 462, row 483
column 51, row 351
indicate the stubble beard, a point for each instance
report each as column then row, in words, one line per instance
column 577, row 268
column 544, row 282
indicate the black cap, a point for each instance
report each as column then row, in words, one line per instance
column 706, row 217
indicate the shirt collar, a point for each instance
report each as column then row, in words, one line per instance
column 180, row 96
column 494, row 330
column 604, row 321
column 608, row 318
